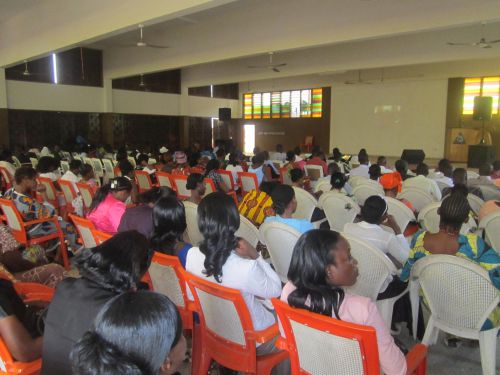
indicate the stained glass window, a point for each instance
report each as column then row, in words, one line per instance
column 247, row 105
column 295, row 103
column 317, row 103
column 305, row 103
column 285, row 104
column 487, row 86
column 257, row 105
column 276, row 104
column 266, row 105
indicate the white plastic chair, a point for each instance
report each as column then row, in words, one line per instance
column 491, row 226
column 460, row 296
column 374, row 268
column 17, row 163
column 248, row 231
column 88, row 161
column 428, row 218
column 34, row 162
column 98, row 169
column 108, row 168
column 475, row 203
column 441, row 185
column 490, row 192
column 306, row 204
column 339, row 209
column 363, row 191
column 402, row 214
column 64, row 166
column 355, row 180
column 471, row 175
column 323, row 185
column 193, row 232
column 315, row 172
column 131, row 159
column 418, row 198
column 280, row 240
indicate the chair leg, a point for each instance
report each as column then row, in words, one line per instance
column 431, row 333
column 487, row 347
column 204, row 365
column 415, row 305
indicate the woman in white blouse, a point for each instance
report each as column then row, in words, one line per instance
column 231, row 261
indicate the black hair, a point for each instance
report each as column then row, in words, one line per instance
column 152, row 195
column 460, row 189
column 220, row 153
column 337, row 155
column 193, row 180
column 118, row 263
column 218, row 221
column 268, row 186
column 290, row 156
column 337, row 180
column 233, row 159
column 258, row 159
column 297, row 150
column 375, row 171
column 115, row 184
column 24, row 172
column 485, row 169
column 132, row 334
column 373, row 209
column 75, row 164
column 125, row 167
column 296, row 174
column 402, row 167
column 381, row 160
column 362, row 152
column 332, row 168
column 282, row 196
column 213, row 164
column 460, row 176
column 454, row 210
column 45, row 164
column 422, row 169
column 169, row 224
column 363, row 158
column 311, row 256
column 316, row 150
column 141, row 158
column 193, row 158
column 445, row 167
column 85, row 169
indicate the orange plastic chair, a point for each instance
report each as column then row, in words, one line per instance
column 18, row 228
column 351, row 348
column 165, row 179
column 51, row 195
column 100, row 237
column 227, row 177
column 87, row 193
column 248, row 182
column 84, row 227
column 180, row 181
column 226, row 332
column 209, row 185
column 143, row 181
column 7, row 178
column 69, row 193
column 29, row 292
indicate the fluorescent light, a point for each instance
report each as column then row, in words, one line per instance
column 211, row 91
column 54, row 67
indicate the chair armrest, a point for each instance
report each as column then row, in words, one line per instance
column 281, row 344
column 34, row 292
column 265, row 335
column 39, row 221
column 415, row 358
column 191, row 306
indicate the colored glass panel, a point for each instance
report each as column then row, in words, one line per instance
column 285, row 104
column 276, row 104
column 247, row 106
column 472, row 88
column 305, row 103
column 257, row 105
column 295, row 100
column 266, row 105
column 317, row 103
column 491, row 86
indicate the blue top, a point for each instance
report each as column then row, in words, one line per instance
column 259, row 172
column 300, row 225
column 183, row 254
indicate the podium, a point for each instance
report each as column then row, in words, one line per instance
column 479, row 155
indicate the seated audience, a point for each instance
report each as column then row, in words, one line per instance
column 169, row 225
column 320, row 268
column 127, row 171
column 460, row 178
column 108, row 205
column 234, row 166
column 338, row 182
column 197, row 187
column 375, row 172
column 363, row 168
column 292, row 161
column 484, row 178
column 220, row 155
column 382, row 162
column 318, row 158
column 262, row 172
column 300, row 181
column 392, row 184
column 166, row 160
column 495, row 174
column 143, row 165
column 402, row 168
column 134, row 333
column 284, row 205
column 488, row 208
column 49, row 167
column 88, row 176
column 423, row 183
column 279, row 154
column 7, row 162
column 181, row 164
column 72, row 174
column 454, row 212
column 444, row 173
column 211, row 172
column 231, row 261
column 257, row 204
column 140, row 217
column 18, row 332
column 275, row 173
column 337, row 157
column 114, row 267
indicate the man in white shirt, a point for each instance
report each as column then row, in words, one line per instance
column 279, row 154
column 363, row 168
column 423, row 183
column 73, row 173
column 443, row 174
column 382, row 161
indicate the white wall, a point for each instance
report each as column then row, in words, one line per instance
column 387, row 118
column 126, row 101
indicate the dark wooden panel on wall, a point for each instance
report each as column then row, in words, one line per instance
column 226, row 91
column 166, row 82
column 40, row 70
column 200, row 130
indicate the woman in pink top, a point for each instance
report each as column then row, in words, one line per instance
column 321, row 265
column 108, row 205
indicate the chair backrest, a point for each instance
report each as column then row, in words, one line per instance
column 100, row 237
column 318, row 344
column 447, row 281
column 280, row 240
column 64, row 166
column 98, row 168
column 34, row 162
column 490, row 192
column 84, row 228
column 50, row 193
column 6, row 176
column 306, row 203
column 491, row 225
column 402, row 214
column 86, row 192
column 373, row 265
column 418, row 197
column 363, row 191
column 14, row 220
column 193, row 232
column 248, row 181
column 180, row 181
column 339, row 209
column 227, row 177
column 143, row 180
column 68, row 190
column 315, row 172
column 17, row 162
column 355, row 180
column 323, row 185
column 108, row 168
column 165, row 179
column 152, row 161
column 285, row 176
column 248, row 231
column 475, row 203
column 471, row 175
column 441, row 185
column 428, row 219
column 88, row 161
column 209, row 185
column 131, row 159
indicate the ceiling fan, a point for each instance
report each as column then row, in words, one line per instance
column 481, row 43
column 270, row 65
column 142, row 43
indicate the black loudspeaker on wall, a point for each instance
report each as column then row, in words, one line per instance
column 482, row 108
column 224, row 114
column 413, row 156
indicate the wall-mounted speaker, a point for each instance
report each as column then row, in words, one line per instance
column 224, row 114
column 482, row 108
